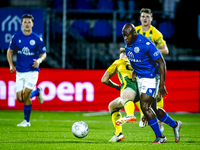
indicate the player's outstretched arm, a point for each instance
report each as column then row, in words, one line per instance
column 163, row 49
column 10, row 60
column 162, row 70
column 106, row 80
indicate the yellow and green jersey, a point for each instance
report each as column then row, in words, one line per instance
column 153, row 34
column 124, row 71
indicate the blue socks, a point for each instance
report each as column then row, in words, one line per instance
column 28, row 108
column 34, row 93
column 27, row 112
column 155, row 126
column 168, row 120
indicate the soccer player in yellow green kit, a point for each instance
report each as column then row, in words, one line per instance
column 156, row 36
column 128, row 91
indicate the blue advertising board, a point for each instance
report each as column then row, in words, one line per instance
column 10, row 23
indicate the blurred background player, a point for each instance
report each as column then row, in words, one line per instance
column 146, row 29
column 128, row 93
column 143, row 55
column 31, row 51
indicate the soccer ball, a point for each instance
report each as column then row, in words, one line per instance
column 80, row 129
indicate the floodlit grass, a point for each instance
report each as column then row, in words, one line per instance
column 51, row 130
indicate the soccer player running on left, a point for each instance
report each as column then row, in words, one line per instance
column 128, row 91
column 143, row 56
column 31, row 51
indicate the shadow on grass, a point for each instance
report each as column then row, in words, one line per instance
column 96, row 142
column 49, row 142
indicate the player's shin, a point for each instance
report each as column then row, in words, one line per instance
column 154, row 125
column 129, row 108
column 27, row 112
column 115, row 116
column 168, row 120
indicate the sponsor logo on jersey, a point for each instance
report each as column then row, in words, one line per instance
column 25, row 51
column 130, row 56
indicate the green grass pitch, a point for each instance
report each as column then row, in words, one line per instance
column 51, row 130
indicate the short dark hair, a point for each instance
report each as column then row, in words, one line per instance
column 27, row 16
column 146, row 10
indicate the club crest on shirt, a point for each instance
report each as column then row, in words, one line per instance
column 136, row 49
column 32, row 42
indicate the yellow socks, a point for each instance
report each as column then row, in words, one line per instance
column 160, row 103
column 115, row 116
column 138, row 105
column 129, row 108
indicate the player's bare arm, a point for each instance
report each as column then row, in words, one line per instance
column 162, row 70
column 10, row 60
column 37, row 62
column 163, row 49
column 134, row 76
column 106, row 80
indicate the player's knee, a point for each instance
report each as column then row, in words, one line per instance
column 20, row 100
column 145, row 107
column 110, row 107
column 160, row 113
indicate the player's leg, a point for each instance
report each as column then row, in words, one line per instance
column 114, row 109
column 127, row 98
column 148, row 91
column 19, row 86
column 146, row 102
column 142, row 123
column 38, row 93
column 160, row 103
column 20, row 82
column 30, row 79
column 164, row 117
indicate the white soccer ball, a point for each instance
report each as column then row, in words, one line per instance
column 80, row 129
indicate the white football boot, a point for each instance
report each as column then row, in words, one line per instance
column 176, row 130
column 142, row 123
column 24, row 123
column 117, row 138
column 40, row 95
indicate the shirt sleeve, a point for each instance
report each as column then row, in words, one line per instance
column 12, row 43
column 112, row 70
column 159, row 38
column 153, row 51
column 41, row 46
